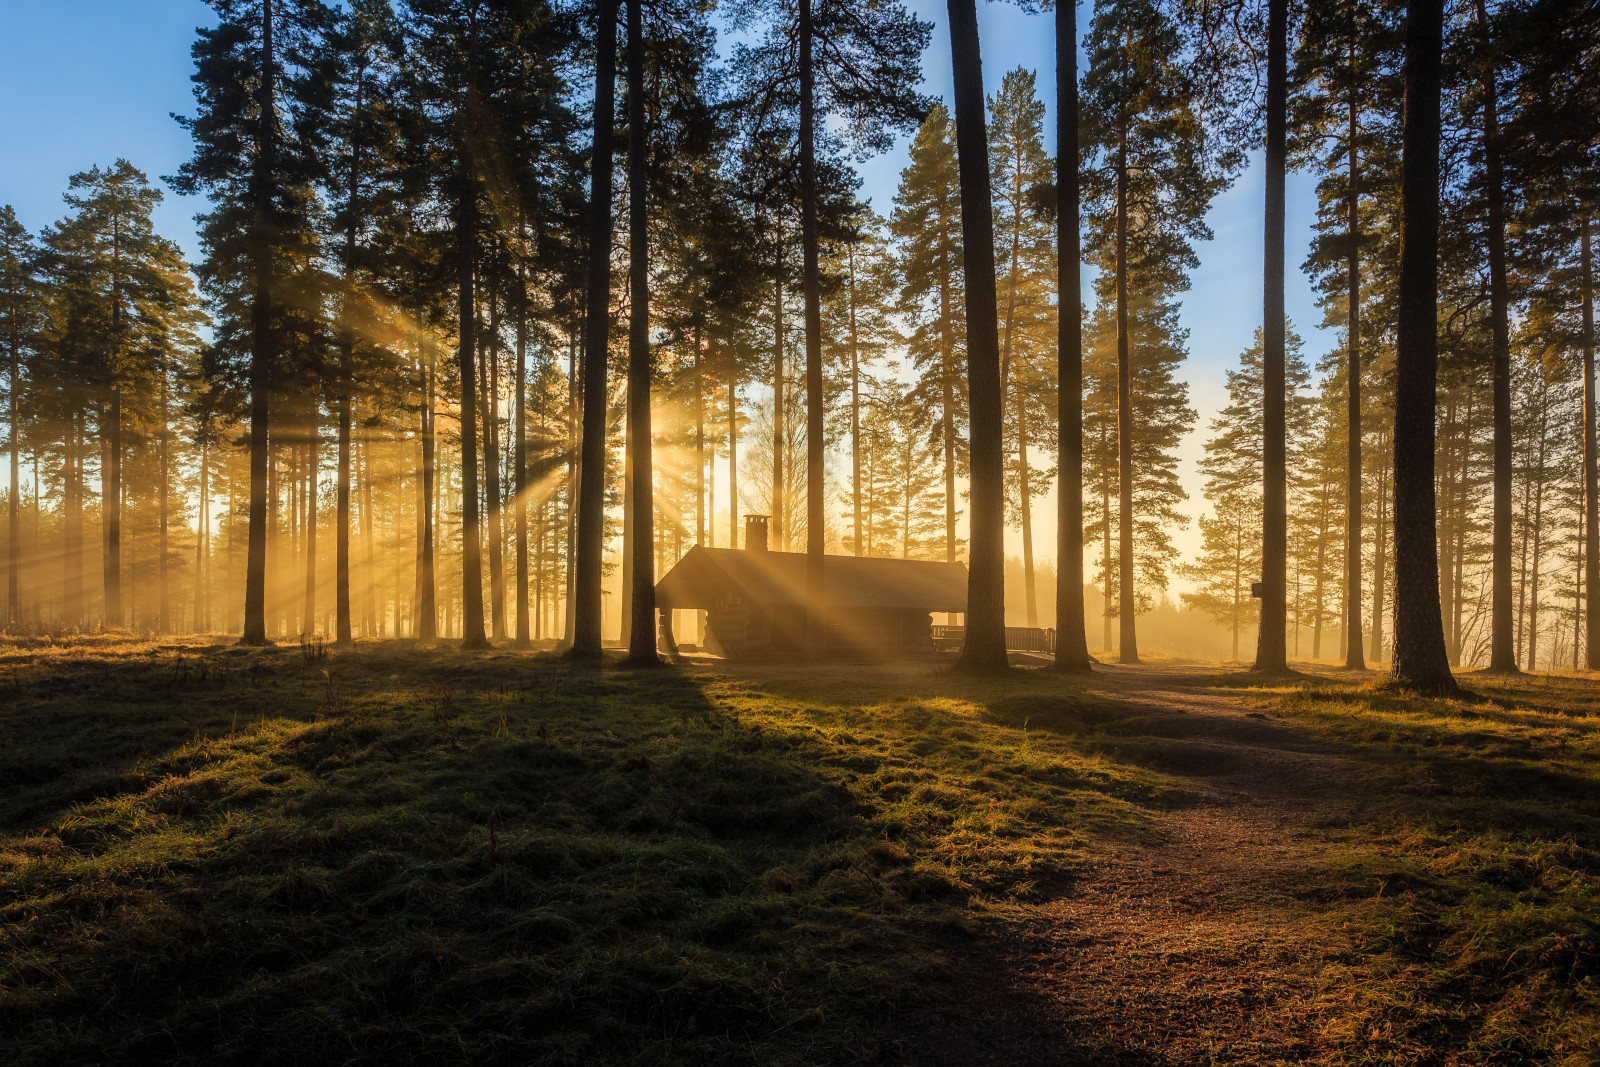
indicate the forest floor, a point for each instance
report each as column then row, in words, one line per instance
column 397, row 853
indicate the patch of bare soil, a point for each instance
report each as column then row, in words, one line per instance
column 1198, row 948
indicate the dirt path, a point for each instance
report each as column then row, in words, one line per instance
column 1192, row 950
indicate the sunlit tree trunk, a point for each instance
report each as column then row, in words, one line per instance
column 948, row 435
column 985, row 645
column 1031, row 595
column 1072, row 643
column 1106, row 640
column 733, row 461
column 1353, row 659
column 73, row 608
column 308, row 621
column 1127, row 572
column 111, row 503
column 855, row 400
column 1271, row 650
column 1538, row 479
column 780, row 443
column 425, row 611
column 1380, row 565
column 811, row 285
column 164, row 591
column 1502, row 652
column 13, row 521
column 1591, row 464
column 568, row 622
column 261, row 354
column 1420, row 661
column 202, row 547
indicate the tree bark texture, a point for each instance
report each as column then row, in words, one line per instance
column 1591, row 463
column 811, row 284
column 261, row 346
column 642, row 628
column 1502, row 650
column 1420, row 659
column 1127, row 570
column 586, row 608
column 1271, row 650
column 985, row 644
column 1072, row 641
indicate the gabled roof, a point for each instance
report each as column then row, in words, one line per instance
column 780, row 578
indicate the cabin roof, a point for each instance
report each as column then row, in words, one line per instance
column 704, row 574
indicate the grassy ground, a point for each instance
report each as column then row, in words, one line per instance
column 1465, row 872
column 396, row 853
column 218, row 855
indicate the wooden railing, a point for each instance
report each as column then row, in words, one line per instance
column 1018, row 638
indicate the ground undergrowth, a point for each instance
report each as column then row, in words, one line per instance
column 1465, row 873
column 391, row 853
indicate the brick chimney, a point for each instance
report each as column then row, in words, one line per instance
column 755, row 533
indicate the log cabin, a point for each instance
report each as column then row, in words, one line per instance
column 754, row 600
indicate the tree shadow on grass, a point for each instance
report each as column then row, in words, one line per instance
column 421, row 856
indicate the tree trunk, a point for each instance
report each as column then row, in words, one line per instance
column 1448, row 518
column 1072, row 642
column 780, row 481
column 1352, row 530
column 425, row 613
column 568, row 616
column 1271, row 650
column 1502, row 651
column 1008, row 381
column 261, row 355
column 948, row 417
column 1538, row 540
column 472, row 632
column 1591, row 464
column 274, row 535
column 811, row 284
column 1106, row 573
column 733, row 457
column 1238, row 592
column 985, row 645
column 308, row 622
column 13, row 521
column 1420, row 661
column 111, row 499
column 1322, row 561
column 341, row 521
column 490, row 378
column 1030, row 594
column 587, row 609
column 1128, row 650
column 202, row 544
column 700, row 525
column 164, row 598
column 642, row 628
column 855, row 401
column 520, row 457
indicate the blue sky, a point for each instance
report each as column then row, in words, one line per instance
column 88, row 81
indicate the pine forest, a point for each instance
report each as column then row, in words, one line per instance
column 868, row 397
